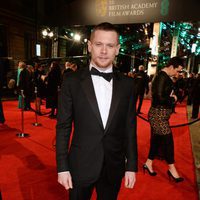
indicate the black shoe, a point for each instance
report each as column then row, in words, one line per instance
column 27, row 108
column 51, row 116
column 176, row 180
column 194, row 117
column 150, row 173
column 39, row 113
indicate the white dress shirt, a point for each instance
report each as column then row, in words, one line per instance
column 103, row 92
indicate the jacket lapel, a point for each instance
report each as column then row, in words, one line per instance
column 87, row 85
column 115, row 99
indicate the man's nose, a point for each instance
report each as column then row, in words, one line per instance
column 104, row 49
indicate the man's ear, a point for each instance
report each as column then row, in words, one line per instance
column 89, row 46
column 117, row 49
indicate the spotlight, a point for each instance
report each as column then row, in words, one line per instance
column 77, row 37
column 47, row 33
column 44, row 33
column 50, row 34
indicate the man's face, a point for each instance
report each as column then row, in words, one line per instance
column 67, row 64
column 21, row 65
column 175, row 71
column 103, row 48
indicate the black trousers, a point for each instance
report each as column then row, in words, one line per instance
column 105, row 189
column 164, row 145
column 195, row 109
column 2, row 119
column 141, row 97
column 27, row 102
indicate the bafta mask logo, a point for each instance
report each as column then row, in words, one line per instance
column 101, row 7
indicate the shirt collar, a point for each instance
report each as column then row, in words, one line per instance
column 105, row 70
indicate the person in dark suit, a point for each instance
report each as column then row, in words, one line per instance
column 196, row 97
column 25, row 84
column 39, row 77
column 53, row 81
column 2, row 118
column 142, row 81
column 101, row 104
column 68, row 68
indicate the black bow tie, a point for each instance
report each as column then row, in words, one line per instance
column 106, row 76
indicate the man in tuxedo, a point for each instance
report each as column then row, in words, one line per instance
column 100, row 102
column 142, row 82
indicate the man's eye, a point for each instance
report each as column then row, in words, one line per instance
column 98, row 44
column 110, row 45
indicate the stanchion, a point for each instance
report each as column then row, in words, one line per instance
column 22, row 134
column 36, row 114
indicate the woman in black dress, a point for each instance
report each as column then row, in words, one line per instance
column 163, row 98
column 39, row 76
column 53, row 81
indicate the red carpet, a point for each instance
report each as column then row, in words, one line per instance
column 28, row 172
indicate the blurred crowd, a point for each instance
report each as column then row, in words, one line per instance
column 186, row 87
column 40, row 82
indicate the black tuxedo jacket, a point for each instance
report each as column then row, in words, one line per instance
column 92, row 146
